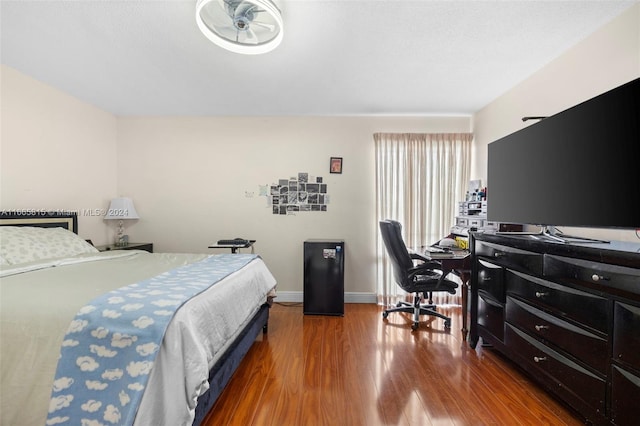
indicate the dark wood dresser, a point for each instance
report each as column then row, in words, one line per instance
column 566, row 313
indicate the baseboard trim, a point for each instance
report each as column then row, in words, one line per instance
column 349, row 297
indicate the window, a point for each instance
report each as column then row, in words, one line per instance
column 420, row 178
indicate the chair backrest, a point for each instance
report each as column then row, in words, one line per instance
column 391, row 231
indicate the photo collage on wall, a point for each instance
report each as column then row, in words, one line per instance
column 302, row 194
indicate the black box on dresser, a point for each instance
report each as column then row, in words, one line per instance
column 566, row 313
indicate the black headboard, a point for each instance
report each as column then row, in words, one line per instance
column 39, row 218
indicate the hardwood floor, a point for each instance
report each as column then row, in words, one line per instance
column 361, row 370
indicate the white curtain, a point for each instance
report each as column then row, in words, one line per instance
column 420, row 178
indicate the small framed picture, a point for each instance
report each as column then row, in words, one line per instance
column 335, row 165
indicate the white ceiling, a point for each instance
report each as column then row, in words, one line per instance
column 338, row 57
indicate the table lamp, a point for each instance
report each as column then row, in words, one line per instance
column 121, row 209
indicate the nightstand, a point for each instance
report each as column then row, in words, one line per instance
column 131, row 246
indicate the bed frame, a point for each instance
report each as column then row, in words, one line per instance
column 66, row 220
column 222, row 371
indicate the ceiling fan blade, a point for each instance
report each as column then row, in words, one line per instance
column 226, row 31
column 251, row 36
column 243, row 9
column 270, row 27
column 230, row 7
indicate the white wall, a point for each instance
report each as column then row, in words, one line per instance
column 189, row 178
column 56, row 152
column 606, row 59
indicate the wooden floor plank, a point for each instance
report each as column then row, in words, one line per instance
column 362, row 370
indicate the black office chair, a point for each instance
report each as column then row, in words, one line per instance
column 425, row 277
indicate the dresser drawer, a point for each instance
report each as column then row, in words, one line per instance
column 580, row 343
column 566, row 302
column 491, row 315
column 626, row 334
column 511, row 257
column 584, row 272
column 625, row 394
column 491, row 280
column 565, row 375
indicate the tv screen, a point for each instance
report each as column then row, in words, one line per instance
column 580, row 167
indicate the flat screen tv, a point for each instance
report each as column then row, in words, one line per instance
column 578, row 168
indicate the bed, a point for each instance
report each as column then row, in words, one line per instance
column 48, row 278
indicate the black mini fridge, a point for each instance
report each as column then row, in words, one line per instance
column 323, row 277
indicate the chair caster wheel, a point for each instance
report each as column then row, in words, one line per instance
column 415, row 326
column 385, row 314
column 447, row 323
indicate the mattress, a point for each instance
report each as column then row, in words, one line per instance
column 38, row 303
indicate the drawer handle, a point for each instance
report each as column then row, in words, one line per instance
column 596, row 278
column 541, row 327
column 540, row 294
column 539, row 358
column 486, row 279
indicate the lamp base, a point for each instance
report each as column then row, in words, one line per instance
column 122, row 241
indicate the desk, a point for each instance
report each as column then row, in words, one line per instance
column 460, row 265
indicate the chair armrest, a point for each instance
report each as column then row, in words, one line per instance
column 427, row 267
column 426, row 262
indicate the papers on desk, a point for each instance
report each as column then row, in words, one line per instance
column 434, row 252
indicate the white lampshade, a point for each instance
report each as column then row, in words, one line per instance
column 121, row 208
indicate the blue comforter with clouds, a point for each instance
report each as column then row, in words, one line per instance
column 111, row 344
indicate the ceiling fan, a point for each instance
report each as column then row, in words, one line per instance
column 241, row 26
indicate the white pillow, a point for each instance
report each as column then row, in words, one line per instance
column 20, row 244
